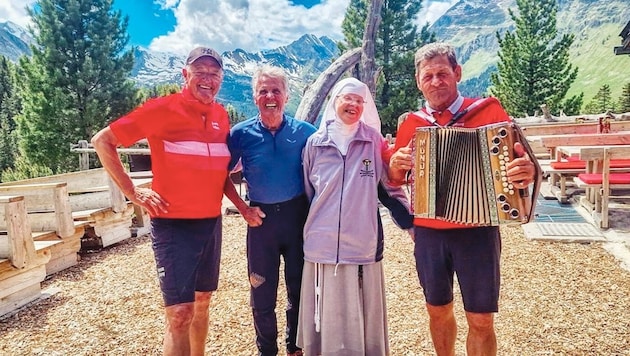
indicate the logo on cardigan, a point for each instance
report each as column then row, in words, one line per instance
column 367, row 170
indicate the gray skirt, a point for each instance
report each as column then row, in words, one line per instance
column 347, row 317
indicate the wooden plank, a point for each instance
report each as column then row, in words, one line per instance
column 92, row 201
column 128, row 151
column 555, row 128
column 28, row 277
column 63, row 212
column 38, row 197
column 19, row 246
column 64, row 252
column 74, row 180
column 618, row 138
column 588, row 153
column 41, row 258
column 20, row 298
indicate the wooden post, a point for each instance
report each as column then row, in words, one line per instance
column 63, row 211
column 119, row 202
column 84, row 157
column 18, row 246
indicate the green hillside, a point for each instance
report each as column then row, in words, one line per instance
column 597, row 63
column 471, row 26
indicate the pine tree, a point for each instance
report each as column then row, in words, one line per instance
column 155, row 91
column 624, row 99
column 234, row 115
column 602, row 101
column 534, row 66
column 9, row 108
column 398, row 39
column 77, row 79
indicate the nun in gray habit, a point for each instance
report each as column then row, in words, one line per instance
column 342, row 305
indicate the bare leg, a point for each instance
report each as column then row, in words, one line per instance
column 176, row 338
column 443, row 328
column 199, row 326
column 482, row 339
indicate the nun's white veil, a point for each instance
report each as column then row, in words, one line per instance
column 352, row 86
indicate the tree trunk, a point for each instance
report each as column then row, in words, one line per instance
column 315, row 94
column 368, row 72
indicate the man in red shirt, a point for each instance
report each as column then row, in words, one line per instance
column 444, row 248
column 187, row 134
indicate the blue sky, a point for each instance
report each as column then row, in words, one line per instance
column 178, row 25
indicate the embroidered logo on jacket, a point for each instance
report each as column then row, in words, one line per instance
column 367, row 170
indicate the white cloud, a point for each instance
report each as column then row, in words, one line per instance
column 15, row 11
column 432, row 10
column 251, row 25
column 247, row 24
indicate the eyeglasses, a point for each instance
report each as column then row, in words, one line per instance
column 351, row 100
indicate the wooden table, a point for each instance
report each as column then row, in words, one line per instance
column 551, row 142
column 597, row 161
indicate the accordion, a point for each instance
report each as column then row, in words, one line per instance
column 460, row 175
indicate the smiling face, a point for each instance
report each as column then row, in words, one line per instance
column 203, row 78
column 437, row 79
column 349, row 108
column 270, row 95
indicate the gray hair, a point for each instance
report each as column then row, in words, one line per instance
column 435, row 49
column 267, row 70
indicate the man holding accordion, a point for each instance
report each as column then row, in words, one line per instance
column 443, row 246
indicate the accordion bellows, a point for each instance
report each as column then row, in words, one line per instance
column 460, row 175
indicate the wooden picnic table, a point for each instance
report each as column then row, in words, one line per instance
column 551, row 142
column 597, row 159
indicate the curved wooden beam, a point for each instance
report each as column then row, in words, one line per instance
column 316, row 93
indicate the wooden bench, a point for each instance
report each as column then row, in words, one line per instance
column 560, row 175
column 50, row 220
column 606, row 184
column 22, row 260
column 97, row 203
column 559, row 171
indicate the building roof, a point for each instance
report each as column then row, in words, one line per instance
column 625, row 41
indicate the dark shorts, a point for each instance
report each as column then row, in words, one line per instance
column 187, row 255
column 473, row 254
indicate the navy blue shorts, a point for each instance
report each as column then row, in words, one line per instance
column 187, row 255
column 471, row 253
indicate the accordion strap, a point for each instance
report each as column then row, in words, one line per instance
column 472, row 108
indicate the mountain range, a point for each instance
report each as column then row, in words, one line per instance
column 470, row 25
column 302, row 60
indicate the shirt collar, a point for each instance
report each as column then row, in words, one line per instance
column 454, row 108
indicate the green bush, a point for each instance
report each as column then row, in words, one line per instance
column 24, row 170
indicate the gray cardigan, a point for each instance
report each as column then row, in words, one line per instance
column 342, row 224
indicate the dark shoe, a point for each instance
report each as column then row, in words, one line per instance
column 296, row 353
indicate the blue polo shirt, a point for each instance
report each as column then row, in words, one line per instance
column 272, row 164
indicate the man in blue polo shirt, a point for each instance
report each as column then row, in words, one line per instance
column 269, row 146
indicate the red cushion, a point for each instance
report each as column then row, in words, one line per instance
column 573, row 158
column 568, row 165
column 614, row 163
column 596, row 178
column 620, row 163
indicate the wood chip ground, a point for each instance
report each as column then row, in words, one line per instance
column 556, row 299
